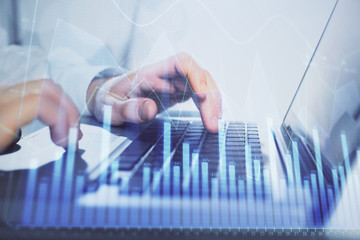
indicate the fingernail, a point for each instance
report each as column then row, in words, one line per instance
column 142, row 110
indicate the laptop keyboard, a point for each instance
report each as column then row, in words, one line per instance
column 148, row 148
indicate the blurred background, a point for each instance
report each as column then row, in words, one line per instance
column 257, row 50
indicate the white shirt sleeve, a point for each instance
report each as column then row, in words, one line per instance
column 4, row 39
column 75, row 81
column 75, row 59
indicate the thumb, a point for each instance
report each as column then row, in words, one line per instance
column 134, row 110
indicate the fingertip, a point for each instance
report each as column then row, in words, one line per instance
column 147, row 110
column 212, row 124
column 215, row 123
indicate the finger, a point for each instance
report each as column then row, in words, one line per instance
column 154, row 77
column 67, row 114
column 134, row 110
column 50, row 114
column 204, row 89
column 52, row 91
column 209, row 104
column 61, row 115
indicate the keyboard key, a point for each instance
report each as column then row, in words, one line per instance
column 235, row 143
column 253, row 136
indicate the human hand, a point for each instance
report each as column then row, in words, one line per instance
column 22, row 103
column 138, row 96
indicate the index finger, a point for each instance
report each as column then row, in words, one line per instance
column 204, row 90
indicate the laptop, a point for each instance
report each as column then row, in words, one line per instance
column 171, row 174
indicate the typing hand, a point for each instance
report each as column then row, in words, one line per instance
column 138, row 96
column 22, row 103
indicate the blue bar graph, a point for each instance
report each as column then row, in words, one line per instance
column 155, row 212
column 284, row 204
column 186, row 169
column 352, row 199
column 257, row 170
column 309, row 205
column 223, row 174
column 69, row 172
column 145, row 210
column 55, row 193
column 249, row 186
column 357, row 192
column 105, row 144
column 331, row 199
column 134, row 210
column 320, row 173
column 166, row 194
column 41, row 203
column 195, row 190
column 29, row 195
column 336, row 184
column 345, row 153
column 146, row 178
column 224, row 198
column 268, row 199
column 277, row 211
column 123, row 213
column 297, row 169
column 9, row 189
column 167, row 140
column 248, row 159
column 289, row 170
column 242, row 203
column 186, row 157
column 176, row 195
column 166, row 170
column 332, row 205
column 277, row 199
column 215, row 202
column 166, row 181
column 316, row 202
column 205, row 193
column 221, row 136
column 299, row 189
column 107, row 117
column 349, row 221
column 291, row 192
column 233, row 200
column 89, row 216
column 77, row 211
column 205, row 179
column 101, row 211
column 337, row 194
column 114, row 168
column 259, row 196
column 103, row 175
